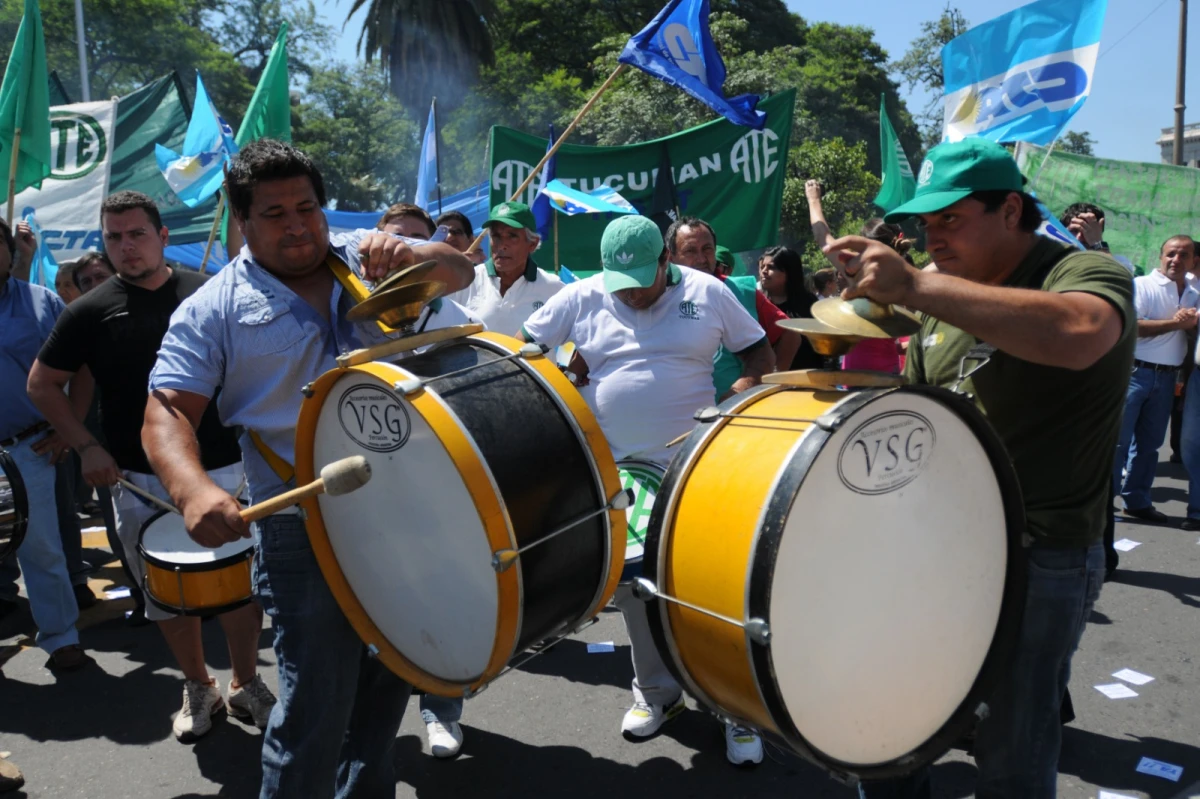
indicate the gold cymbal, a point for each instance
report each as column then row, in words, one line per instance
column 825, row 340
column 405, row 276
column 866, row 318
column 831, row 378
column 400, row 306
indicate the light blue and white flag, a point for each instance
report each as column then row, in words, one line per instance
column 197, row 173
column 44, row 269
column 427, row 171
column 1023, row 75
column 602, row 200
column 1052, row 228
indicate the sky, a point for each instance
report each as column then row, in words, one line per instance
column 1133, row 96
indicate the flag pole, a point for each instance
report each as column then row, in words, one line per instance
column 554, row 148
column 437, row 156
column 557, row 263
column 12, row 175
column 212, row 234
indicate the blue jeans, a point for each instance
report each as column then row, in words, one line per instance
column 333, row 731
column 1189, row 442
column 68, row 529
column 440, row 708
column 1017, row 745
column 51, row 598
column 1143, row 429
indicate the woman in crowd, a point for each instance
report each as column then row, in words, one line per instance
column 781, row 278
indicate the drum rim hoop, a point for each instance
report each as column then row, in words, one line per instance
column 20, row 502
column 1004, row 638
column 213, row 611
column 189, row 568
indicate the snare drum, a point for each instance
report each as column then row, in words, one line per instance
column 842, row 570
column 14, row 506
column 642, row 479
column 488, row 523
column 188, row 579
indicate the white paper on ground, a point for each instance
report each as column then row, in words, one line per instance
column 1111, row 795
column 93, row 530
column 1116, row 691
column 1124, row 545
column 603, row 646
column 1134, row 677
column 1157, row 768
column 116, row 593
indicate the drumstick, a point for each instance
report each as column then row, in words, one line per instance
column 337, row 478
column 146, row 495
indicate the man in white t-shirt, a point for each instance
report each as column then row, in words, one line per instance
column 509, row 286
column 648, row 331
column 1166, row 309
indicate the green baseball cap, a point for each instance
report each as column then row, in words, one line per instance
column 514, row 215
column 725, row 256
column 629, row 251
column 955, row 170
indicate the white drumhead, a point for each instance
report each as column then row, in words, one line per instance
column 166, row 539
column 889, row 581
column 410, row 542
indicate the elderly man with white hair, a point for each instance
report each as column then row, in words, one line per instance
column 509, row 286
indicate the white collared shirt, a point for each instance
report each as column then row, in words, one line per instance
column 1156, row 297
column 506, row 314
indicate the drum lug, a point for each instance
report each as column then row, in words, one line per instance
column 646, row 590
column 533, row 350
column 410, row 386
column 982, row 711
column 373, row 651
column 307, row 390
column 758, row 631
column 503, row 559
column 709, row 414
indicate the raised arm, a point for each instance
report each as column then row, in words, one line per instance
column 816, row 216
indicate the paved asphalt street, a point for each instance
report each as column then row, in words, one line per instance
column 551, row 729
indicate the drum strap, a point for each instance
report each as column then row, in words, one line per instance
column 278, row 465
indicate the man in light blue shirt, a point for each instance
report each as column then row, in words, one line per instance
column 27, row 315
column 268, row 323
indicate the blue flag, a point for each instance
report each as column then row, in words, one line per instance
column 602, row 200
column 677, row 48
column 44, row 269
column 1023, row 75
column 197, row 173
column 427, row 171
column 1052, row 228
column 542, row 212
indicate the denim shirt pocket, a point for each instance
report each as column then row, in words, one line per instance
column 265, row 323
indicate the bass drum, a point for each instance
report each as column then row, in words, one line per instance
column 14, row 506
column 852, row 566
column 493, row 519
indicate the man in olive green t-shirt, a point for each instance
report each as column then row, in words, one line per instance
column 1052, row 331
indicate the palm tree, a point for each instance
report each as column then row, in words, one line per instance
column 427, row 47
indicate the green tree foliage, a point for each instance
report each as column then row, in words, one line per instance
column 849, row 189
column 362, row 139
column 921, row 67
column 1078, row 143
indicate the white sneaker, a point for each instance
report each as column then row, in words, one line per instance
column 742, row 745
column 253, row 701
column 445, row 739
column 643, row 719
column 201, row 701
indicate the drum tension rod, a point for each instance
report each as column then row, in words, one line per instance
column 415, row 384
column 469, row 694
column 504, row 558
column 756, row 629
column 713, row 413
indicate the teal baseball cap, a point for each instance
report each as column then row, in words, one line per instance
column 513, row 214
column 955, row 170
column 629, row 252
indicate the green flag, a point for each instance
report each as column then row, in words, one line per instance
column 269, row 115
column 898, row 182
column 25, row 105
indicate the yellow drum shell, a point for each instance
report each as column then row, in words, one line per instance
column 194, row 592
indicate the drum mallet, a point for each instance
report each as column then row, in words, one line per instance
column 337, row 478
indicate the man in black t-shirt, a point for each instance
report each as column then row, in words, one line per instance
column 112, row 336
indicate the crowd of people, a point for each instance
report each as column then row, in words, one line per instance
column 139, row 379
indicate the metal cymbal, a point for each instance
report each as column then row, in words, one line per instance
column 825, row 340
column 867, row 318
column 400, row 306
column 405, row 276
column 832, row 378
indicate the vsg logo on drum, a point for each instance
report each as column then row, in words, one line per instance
column 374, row 418
column 886, row 452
